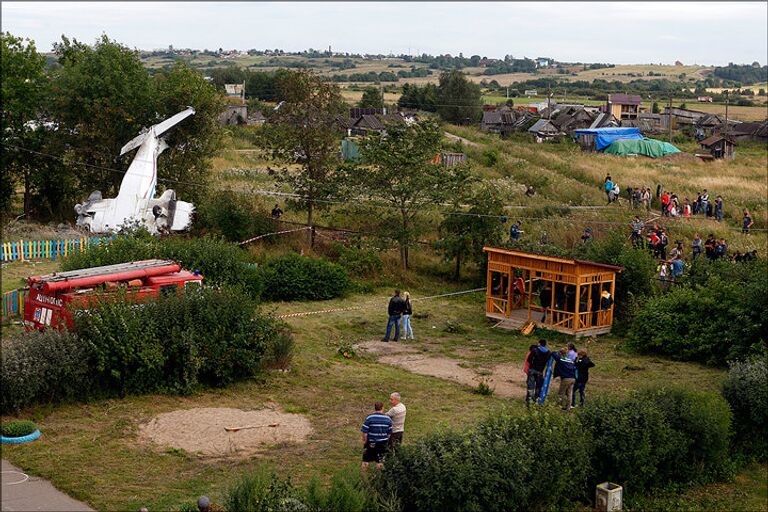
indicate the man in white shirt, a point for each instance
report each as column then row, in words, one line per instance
column 397, row 413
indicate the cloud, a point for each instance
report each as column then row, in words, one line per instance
column 619, row 32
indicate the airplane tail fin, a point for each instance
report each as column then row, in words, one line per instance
column 159, row 129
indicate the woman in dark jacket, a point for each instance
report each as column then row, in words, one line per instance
column 583, row 364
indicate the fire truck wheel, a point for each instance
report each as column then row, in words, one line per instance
column 18, row 440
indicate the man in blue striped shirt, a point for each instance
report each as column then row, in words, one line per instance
column 376, row 430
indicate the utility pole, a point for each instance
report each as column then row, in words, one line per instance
column 726, row 114
column 549, row 103
column 669, row 119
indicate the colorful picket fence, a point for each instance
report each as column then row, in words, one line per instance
column 47, row 249
column 13, row 303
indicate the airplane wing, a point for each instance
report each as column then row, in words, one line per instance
column 160, row 129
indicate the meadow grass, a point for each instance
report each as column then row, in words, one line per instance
column 96, row 446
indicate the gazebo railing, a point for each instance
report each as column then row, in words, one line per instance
column 497, row 305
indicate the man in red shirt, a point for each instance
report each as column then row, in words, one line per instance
column 664, row 203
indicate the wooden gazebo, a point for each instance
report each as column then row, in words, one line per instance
column 562, row 294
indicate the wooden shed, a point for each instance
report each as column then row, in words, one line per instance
column 562, row 294
column 720, row 146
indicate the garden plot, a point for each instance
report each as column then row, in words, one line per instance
column 507, row 380
column 202, row 431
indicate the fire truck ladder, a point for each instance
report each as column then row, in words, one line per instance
column 104, row 271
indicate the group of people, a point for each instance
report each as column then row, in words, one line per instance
column 383, row 431
column 399, row 309
column 571, row 366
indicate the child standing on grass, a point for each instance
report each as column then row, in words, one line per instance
column 407, row 316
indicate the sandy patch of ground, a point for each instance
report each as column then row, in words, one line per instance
column 201, row 431
column 506, row 380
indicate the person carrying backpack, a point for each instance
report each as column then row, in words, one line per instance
column 608, row 187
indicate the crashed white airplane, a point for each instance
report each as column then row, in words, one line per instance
column 135, row 202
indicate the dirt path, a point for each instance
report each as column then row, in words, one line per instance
column 506, row 380
column 455, row 138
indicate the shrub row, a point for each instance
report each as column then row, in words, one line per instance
column 507, row 463
column 45, row 366
column 287, row 278
column 220, row 262
column 717, row 316
column 543, row 460
column 173, row 344
column 263, row 491
column 658, row 437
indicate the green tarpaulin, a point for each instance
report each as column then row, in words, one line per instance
column 350, row 150
column 648, row 147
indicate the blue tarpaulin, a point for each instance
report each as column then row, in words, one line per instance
column 604, row 137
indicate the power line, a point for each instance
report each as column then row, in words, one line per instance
column 353, row 201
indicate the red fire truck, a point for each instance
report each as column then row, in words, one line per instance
column 50, row 297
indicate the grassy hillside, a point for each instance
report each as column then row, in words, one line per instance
column 111, row 467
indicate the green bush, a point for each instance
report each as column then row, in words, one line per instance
column 631, row 442
column 220, row 262
column 746, row 390
column 702, row 423
column 262, row 491
column 203, row 336
column 225, row 214
column 346, row 492
column 18, row 428
column 507, row 463
column 294, row 277
column 358, row 261
column 42, row 367
column 658, row 437
column 279, row 350
column 715, row 316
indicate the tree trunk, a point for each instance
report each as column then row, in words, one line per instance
column 404, row 242
column 27, row 196
column 310, row 212
column 458, row 267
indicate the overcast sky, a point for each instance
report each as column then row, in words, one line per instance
column 621, row 33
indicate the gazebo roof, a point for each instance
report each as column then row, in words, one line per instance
column 534, row 257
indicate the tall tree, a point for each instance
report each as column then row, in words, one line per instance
column 24, row 89
column 102, row 97
column 396, row 169
column 186, row 163
column 372, row 98
column 465, row 231
column 303, row 132
column 459, row 98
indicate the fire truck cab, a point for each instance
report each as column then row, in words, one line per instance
column 51, row 297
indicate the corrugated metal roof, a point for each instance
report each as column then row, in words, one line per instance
column 625, row 99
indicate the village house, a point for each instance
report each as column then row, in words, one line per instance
column 754, row 131
column 720, row 146
column 681, row 116
column 624, row 106
column 544, row 129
